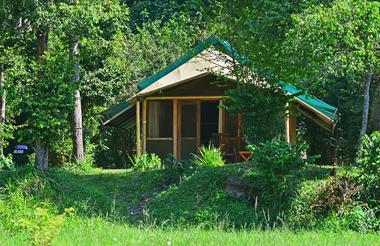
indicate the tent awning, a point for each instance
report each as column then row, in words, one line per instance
column 122, row 115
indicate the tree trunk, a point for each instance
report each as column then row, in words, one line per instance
column 77, row 114
column 41, row 148
column 364, row 125
column 78, row 130
column 78, row 147
column 2, row 107
column 375, row 119
column 42, row 155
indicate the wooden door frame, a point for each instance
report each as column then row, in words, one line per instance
column 177, row 117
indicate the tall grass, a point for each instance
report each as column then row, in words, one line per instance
column 146, row 162
column 99, row 232
column 210, row 156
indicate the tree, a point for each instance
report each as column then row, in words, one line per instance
column 77, row 114
column 337, row 40
column 11, row 66
column 90, row 26
column 45, row 97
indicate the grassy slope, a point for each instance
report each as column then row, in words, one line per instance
column 105, row 192
column 199, row 201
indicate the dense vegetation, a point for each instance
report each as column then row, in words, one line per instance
column 62, row 62
column 59, row 204
column 328, row 49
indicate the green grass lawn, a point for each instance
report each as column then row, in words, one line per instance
column 100, row 232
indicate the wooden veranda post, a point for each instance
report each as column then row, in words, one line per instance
column 138, row 129
column 175, row 128
column 198, row 126
column 144, row 123
column 291, row 125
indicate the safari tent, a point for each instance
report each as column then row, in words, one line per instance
column 177, row 109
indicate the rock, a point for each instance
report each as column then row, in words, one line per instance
column 235, row 187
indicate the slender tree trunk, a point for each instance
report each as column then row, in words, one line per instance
column 77, row 114
column 78, row 147
column 41, row 148
column 376, row 108
column 78, row 130
column 364, row 126
column 42, row 155
column 2, row 107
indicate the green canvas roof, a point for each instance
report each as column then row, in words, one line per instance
column 116, row 115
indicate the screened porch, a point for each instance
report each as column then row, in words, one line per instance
column 181, row 125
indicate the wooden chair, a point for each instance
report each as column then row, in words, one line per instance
column 245, row 155
column 222, row 140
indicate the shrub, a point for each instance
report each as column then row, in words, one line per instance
column 363, row 219
column 177, row 168
column 336, row 195
column 276, row 160
column 146, row 162
column 25, row 206
column 209, row 157
column 369, row 163
column 6, row 162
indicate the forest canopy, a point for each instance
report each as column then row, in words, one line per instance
column 62, row 62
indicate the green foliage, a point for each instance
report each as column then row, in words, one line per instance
column 362, row 219
column 337, row 39
column 276, row 161
column 86, row 165
column 210, row 156
column 200, row 200
column 103, row 232
column 337, row 195
column 331, row 48
column 50, row 98
column 6, row 162
column 25, row 206
column 262, row 106
column 332, row 205
column 178, row 169
column 146, row 162
column 368, row 161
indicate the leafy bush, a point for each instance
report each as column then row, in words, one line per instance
column 276, row 160
column 369, row 163
column 88, row 163
column 336, row 195
column 25, row 206
column 262, row 106
column 363, row 219
column 6, row 162
column 177, row 168
column 209, row 157
column 332, row 205
column 146, row 162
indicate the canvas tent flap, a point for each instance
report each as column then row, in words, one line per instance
column 122, row 115
column 323, row 108
column 194, row 64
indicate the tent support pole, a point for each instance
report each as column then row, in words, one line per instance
column 138, row 130
column 175, row 128
column 291, row 125
column 145, row 108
